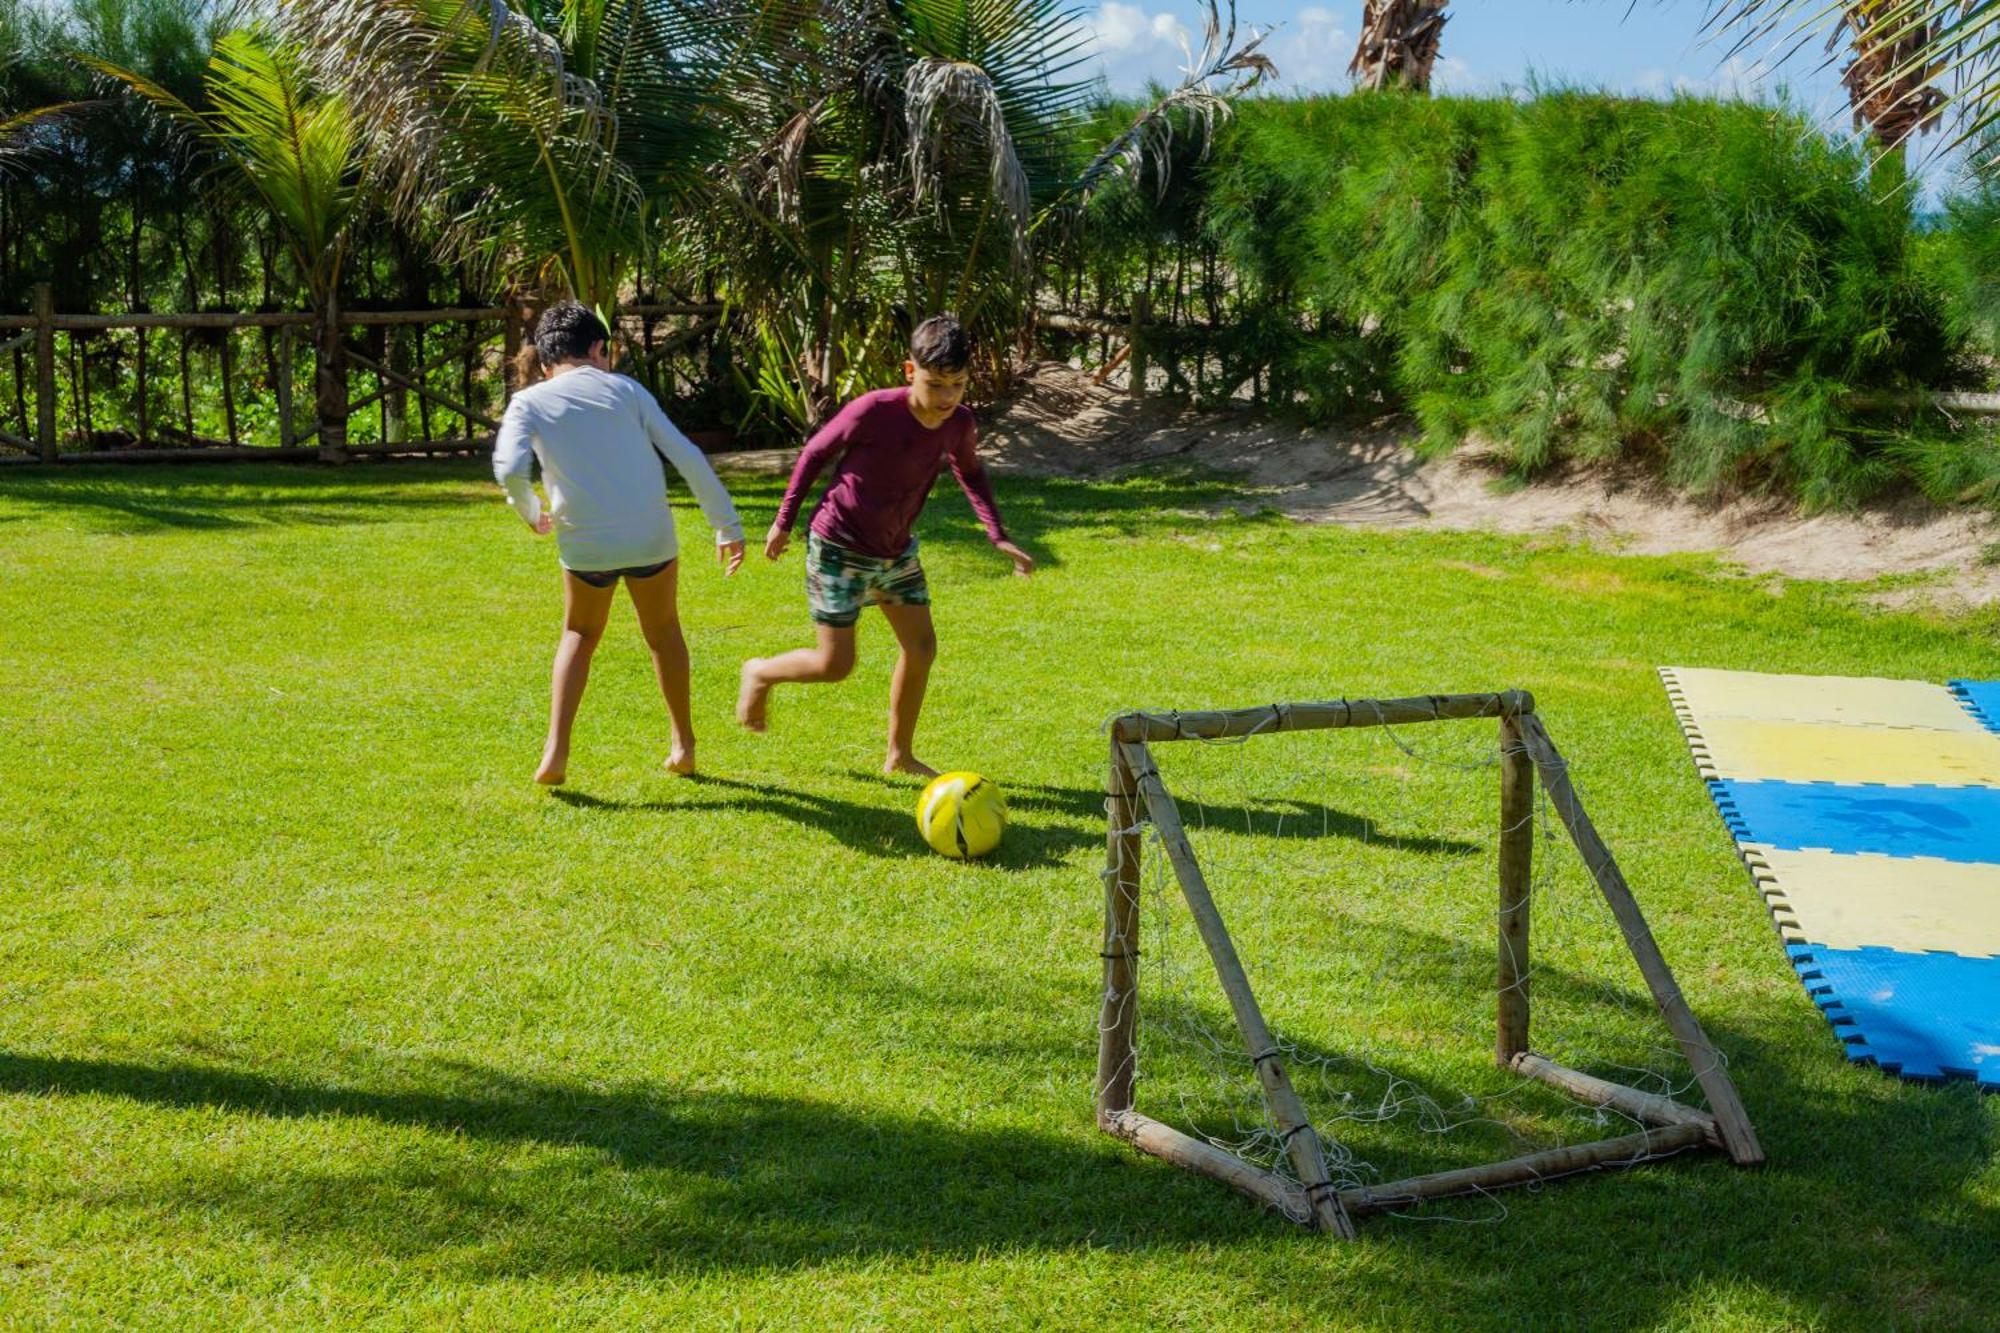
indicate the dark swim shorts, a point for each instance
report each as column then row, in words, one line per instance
column 604, row 578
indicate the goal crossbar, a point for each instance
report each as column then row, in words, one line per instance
column 1136, row 793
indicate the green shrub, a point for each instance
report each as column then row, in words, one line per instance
column 1713, row 288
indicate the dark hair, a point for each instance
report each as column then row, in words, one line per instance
column 941, row 343
column 567, row 331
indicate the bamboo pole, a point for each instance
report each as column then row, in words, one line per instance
column 1630, row 1150
column 1312, row 716
column 256, row 319
column 45, row 371
column 418, row 371
column 1732, row 1121
column 1118, row 1021
column 254, row 453
column 1647, row 1106
column 1290, row 1117
column 1135, row 339
column 287, row 337
column 1205, row 1159
column 1517, row 851
column 1103, row 372
column 443, row 400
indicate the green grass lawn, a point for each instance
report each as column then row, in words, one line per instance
column 313, row 1010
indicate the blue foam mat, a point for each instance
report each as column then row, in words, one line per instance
column 1952, row 823
column 1920, row 1015
column 1981, row 699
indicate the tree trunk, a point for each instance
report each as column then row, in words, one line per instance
column 330, row 383
column 1399, row 44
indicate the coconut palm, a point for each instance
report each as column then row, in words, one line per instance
column 539, row 141
column 300, row 153
column 911, row 167
column 1911, row 60
column 824, row 161
column 1399, row 44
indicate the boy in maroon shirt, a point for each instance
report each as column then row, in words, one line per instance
column 886, row 448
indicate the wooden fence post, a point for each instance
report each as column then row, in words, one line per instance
column 45, row 371
column 1135, row 338
column 330, row 384
column 1517, row 851
column 511, row 347
column 286, row 339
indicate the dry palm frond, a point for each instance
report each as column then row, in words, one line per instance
column 1236, row 69
column 949, row 102
column 1399, row 43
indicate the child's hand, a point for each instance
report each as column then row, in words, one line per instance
column 544, row 524
column 1024, row 564
column 775, row 542
column 730, row 556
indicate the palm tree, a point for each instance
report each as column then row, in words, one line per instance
column 1911, row 60
column 538, row 142
column 1399, row 44
column 825, row 162
column 298, row 151
column 913, row 164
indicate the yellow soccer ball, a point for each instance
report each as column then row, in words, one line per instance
column 961, row 815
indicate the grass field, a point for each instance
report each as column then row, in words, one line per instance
column 313, row 1010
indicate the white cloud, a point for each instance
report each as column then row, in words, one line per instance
column 1311, row 51
column 1735, row 77
column 1135, row 47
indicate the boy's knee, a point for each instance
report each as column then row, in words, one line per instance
column 837, row 663
column 922, row 648
column 664, row 638
column 586, row 636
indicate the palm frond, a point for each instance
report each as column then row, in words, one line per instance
column 1222, row 71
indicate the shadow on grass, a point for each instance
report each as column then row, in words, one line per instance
column 1280, row 818
column 708, row 1180
column 219, row 497
column 876, row 830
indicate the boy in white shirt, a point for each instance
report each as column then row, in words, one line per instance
column 600, row 438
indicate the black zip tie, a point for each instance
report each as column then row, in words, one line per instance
column 1323, row 1185
column 1286, row 1137
column 1133, row 954
column 1271, row 1054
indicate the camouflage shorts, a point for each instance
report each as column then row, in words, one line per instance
column 839, row 582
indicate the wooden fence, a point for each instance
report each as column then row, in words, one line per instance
column 388, row 368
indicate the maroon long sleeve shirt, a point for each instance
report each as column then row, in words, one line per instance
column 884, row 464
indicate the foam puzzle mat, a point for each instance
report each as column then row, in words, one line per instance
column 1868, row 814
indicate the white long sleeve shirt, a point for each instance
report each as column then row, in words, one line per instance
column 600, row 438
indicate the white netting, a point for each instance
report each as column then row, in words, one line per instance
column 1357, row 873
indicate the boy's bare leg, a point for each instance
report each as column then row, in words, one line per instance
column 916, row 643
column 656, row 599
column 830, row 659
column 585, row 611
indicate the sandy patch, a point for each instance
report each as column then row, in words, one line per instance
column 1059, row 424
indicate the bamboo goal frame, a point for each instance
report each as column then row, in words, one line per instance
column 1134, row 791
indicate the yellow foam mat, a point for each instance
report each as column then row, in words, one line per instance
column 1855, row 701
column 1854, row 900
column 1748, row 750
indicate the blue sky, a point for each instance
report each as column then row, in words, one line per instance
column 1488, row 45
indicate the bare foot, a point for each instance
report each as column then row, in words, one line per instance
column 751, row 697
column 905, row 763
column 681, row 760
column 552, row 772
